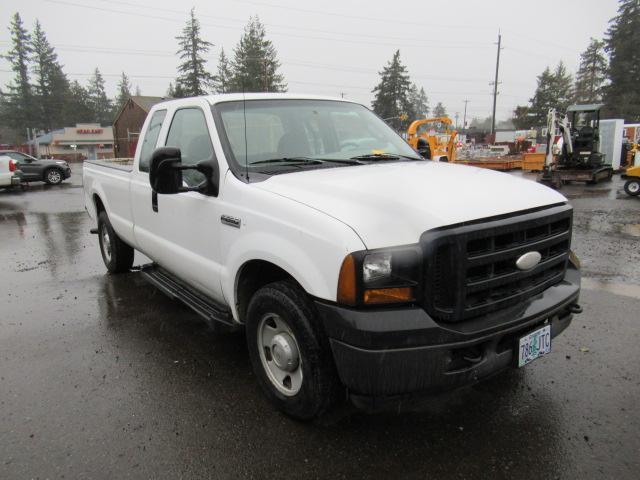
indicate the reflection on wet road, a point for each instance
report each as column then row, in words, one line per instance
column 104, row 377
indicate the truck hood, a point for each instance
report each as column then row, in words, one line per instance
column 389, row 204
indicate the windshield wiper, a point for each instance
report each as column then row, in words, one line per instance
column 384, row 156
column 294, row 160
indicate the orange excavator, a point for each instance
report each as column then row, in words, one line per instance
column 433, row 138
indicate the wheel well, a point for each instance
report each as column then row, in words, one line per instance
column 254, row 275
column 98, row 203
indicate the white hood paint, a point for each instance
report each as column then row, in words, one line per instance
column 393, row 204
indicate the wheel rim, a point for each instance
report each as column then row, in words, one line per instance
column 106, row 244
column 634, row 187
column 54, row 176
column 279, row 354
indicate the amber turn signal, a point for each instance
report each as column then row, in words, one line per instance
column 388, row 295
column 347, row 282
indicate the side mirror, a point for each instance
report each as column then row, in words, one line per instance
column 165, row 173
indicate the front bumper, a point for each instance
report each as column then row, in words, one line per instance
column 398, row 351
column 66, row 172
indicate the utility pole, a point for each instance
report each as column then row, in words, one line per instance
column 495, row 87
column 342, row 94
column 464, row 119
column 456, row 117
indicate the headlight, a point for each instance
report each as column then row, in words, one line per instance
column 376, row 266
column 380, row 277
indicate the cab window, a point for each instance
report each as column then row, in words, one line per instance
column 151, row 139
column 189, row 133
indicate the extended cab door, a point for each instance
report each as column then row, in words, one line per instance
column 183, row 234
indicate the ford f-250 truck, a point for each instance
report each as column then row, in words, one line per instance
column 353, row 264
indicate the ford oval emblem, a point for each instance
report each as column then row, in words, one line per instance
column 528, row 261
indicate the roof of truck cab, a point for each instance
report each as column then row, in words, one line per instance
column 231, row 97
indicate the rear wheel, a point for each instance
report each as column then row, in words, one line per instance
column 117, row 255
column 53, row 176
column 289, row 353
column 632, row 187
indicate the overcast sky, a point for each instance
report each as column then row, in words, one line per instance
column 330, row 47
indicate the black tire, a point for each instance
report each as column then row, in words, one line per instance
column 53, row 176
column 632, row 187
column 320, row 385
column 117, row 255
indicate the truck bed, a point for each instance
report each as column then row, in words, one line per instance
column 124, row 164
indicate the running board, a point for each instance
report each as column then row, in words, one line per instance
column 174, row 288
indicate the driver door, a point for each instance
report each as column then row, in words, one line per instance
column 182, row 236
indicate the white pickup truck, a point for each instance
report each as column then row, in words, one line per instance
column 353, row 264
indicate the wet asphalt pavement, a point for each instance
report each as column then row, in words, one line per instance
column 104, row 377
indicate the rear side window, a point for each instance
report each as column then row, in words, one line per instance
column 189, row 133
column 151, row 139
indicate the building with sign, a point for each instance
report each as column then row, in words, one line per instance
column 128, row 123
column 85, row 141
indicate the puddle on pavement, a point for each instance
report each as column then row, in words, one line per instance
column 617, row 288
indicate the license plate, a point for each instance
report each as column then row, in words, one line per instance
column 534, row 345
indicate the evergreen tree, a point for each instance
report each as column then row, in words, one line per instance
column 138, row 91
column 554, row 90
column 18, row 104
column 419, row 101
column 521, row 118
column 592, row 73
column 222, row 79
column 98, row 101
column 439, row 110
column 171, row 92
column 622, row 95
column 78, row 108
column 51, row 84
column 255, row 64
column 193, row 78
column 124, row 93
column 392, row 99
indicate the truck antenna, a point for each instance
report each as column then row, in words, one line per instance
column 246, row 143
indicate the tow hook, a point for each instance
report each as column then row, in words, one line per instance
column 575, row 308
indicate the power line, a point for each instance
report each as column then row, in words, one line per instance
column 306, row 37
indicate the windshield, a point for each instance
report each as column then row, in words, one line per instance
column 307, row 131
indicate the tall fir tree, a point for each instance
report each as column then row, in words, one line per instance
column 521, row 119
column 255, row 63
column 622, row 95
column 591, row 74
column 193, row 78
column 439, row 110
column 419, row 101
column 124, row 93
column 554, row 90
column 78, row 108
column 392, row 99
column 224, row 75
column 98, row 101
column 51, row 84
column 18, row 108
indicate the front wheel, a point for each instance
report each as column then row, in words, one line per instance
column 53, row 176
column 289, row 352
column 117, row 255
column 632, row 187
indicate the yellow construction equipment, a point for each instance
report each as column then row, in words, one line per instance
column 433, row 138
